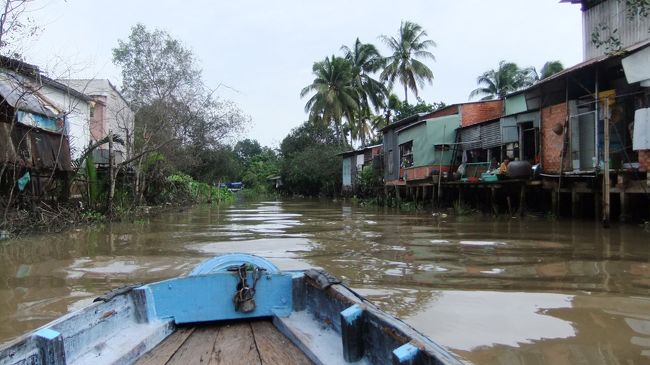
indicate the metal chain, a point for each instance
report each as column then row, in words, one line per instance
column 245, row 296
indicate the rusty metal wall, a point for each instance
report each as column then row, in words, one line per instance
column 34, row 148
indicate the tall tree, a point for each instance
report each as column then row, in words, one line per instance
column 550, row 68
column 401, row 109
column 334, row 96
column 154, row 66
column 365, row 60
column 308, row 165
column 404, row 65
column 176, row 113
column 507, row 78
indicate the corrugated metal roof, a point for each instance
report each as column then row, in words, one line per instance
column 583, row 65
column 14, row 90
column 358, row 151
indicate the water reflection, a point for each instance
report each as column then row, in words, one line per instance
column 495, row 291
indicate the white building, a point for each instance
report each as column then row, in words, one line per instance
column 110, row 112
column 76, row 107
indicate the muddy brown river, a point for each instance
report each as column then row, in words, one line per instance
column 505, row 291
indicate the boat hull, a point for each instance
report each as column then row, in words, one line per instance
column 326, row 320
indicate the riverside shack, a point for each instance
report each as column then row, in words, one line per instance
column 355, row 161
column 41, row 121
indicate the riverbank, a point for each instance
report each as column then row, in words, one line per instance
column 56, row 218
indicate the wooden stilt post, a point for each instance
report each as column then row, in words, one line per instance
column 385, row 195
column 554, row 202
column 624, row 206
column 433, row 196
column 574, row 202
column 606, row 181
column 493, row 200
column 522, row 199
column 597, row 204
column 397, row 196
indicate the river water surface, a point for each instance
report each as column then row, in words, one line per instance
column 505, row 291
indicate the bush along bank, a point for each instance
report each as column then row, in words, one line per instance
column 53, row 216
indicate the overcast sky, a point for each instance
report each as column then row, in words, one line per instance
column 264, row 50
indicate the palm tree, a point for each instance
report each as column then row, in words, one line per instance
column 403, row 64
column 335, row 97
column 506, row 79
column 365, row 60
column 550, row 68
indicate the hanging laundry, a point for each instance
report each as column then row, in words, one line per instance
column 23, row 181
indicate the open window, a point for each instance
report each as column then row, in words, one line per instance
column 529, row 142
column 406, row 154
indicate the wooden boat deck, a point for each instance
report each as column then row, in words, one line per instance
column 254, row 342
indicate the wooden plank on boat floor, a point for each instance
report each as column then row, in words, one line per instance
column 163, row 352
column 197, row 349
column 274, row 347
column 235, row 344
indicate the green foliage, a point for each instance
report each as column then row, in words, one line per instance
column 246, row 149
column 550, row 68
column 309, row 162
column 334, row 95
column 507, row 78
column 314, row 171
column 152, row 159
column 403, row 109
column 177, row 115
column 637, row 8
column 307, row 134
column 183, row 186
column 92, row 216
column 604, row 36
column 371, row 93
column 215, row 165
column 259, row 169
column 369, row 182
column 93, row 184
column 174, row 70
column 405, row 65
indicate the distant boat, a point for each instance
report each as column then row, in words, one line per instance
column 235, row 309
column 232, row 186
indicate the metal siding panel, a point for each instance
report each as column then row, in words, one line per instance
column 391, row 162
column 515, row 104
column 509, row 132
column 529, row 117
column 473, row 135
column 491, row 135
column 614, row 14
column 347, row 178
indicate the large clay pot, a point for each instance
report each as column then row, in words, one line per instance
column 519, row 169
